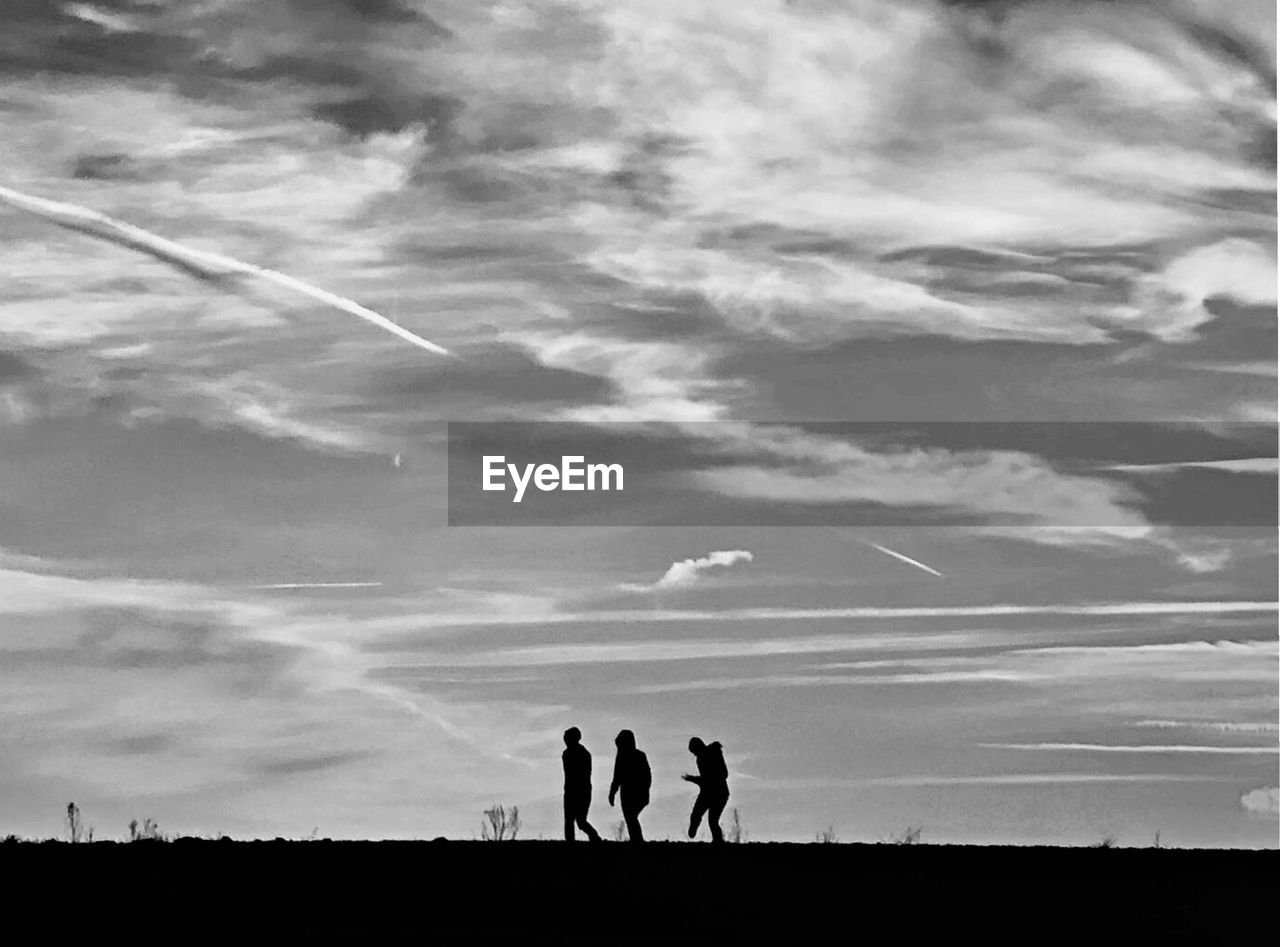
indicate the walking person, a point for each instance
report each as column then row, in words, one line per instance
column 632, row 778
column 713, row 787
column 577, row 786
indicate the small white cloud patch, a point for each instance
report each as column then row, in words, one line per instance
column 686, row 572
column 1264, row 801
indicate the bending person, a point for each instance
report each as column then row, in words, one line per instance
column 713, row 787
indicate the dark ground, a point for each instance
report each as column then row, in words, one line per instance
column 660, row 893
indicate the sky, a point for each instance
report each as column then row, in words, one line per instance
column 230, row 599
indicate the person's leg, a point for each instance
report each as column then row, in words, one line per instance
column 632, row 817
column 587, row 826
column 580, row 810
column 713, row 817
column 695, row 817
column 569, row 818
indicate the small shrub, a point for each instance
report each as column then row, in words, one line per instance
column 827, row 836
column 909, row 836
column 499, row 825
column 620, row 831
column 149, row 831
column 1107, row 841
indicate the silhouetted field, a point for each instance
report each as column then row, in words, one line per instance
column 660, row 892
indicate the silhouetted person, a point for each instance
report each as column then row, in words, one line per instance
column 631, row 777
column 577, row 785
column 713, row 787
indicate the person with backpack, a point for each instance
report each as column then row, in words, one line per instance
column 631, row 777
column 713, row 787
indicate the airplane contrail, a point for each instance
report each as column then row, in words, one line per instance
column 200, row 263
column 907, row 559
column 320, row 585
column 888, row 552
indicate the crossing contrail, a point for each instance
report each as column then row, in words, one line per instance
column 199, row 263
column 900, row 557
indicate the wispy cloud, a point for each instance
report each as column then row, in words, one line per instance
column 1136, row 748
column 644, row 616
column 1246, row 465
column 995, row 779
column 1192, row 660
column 317, row 585
column 804, row 467
column 1220, row 726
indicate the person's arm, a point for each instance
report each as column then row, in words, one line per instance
column 696, row 780
column 613, row 787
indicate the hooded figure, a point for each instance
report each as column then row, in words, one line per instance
column 713, row 787
column 577, row 785
column 631, row 777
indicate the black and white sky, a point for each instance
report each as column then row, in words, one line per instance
column 228, row 596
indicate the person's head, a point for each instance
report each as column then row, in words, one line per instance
column 625, row 740
column 696, row 745
column 572, row 736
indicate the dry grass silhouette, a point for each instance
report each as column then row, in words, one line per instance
column 76, row 832
column 500, row 825
column 909, row 836
column 149, row 831
column 736, row 833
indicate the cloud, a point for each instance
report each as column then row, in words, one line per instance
column 995, row 779
column 1207, row 561
column 1219, row 726
column 930, row 198
column 306, row 764
column 1265, row 801
column 1195, row 553
column 1139, row 748
column 632, row 652
column 651, row 380
column 686, row 572
column 554, row 616
column 1245, row 661
column 1236, row 269
column 778, row 195
column 283, row 586
column 1245, row 465
column 1161, row 667
column 991, row 483
column 187, row 693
